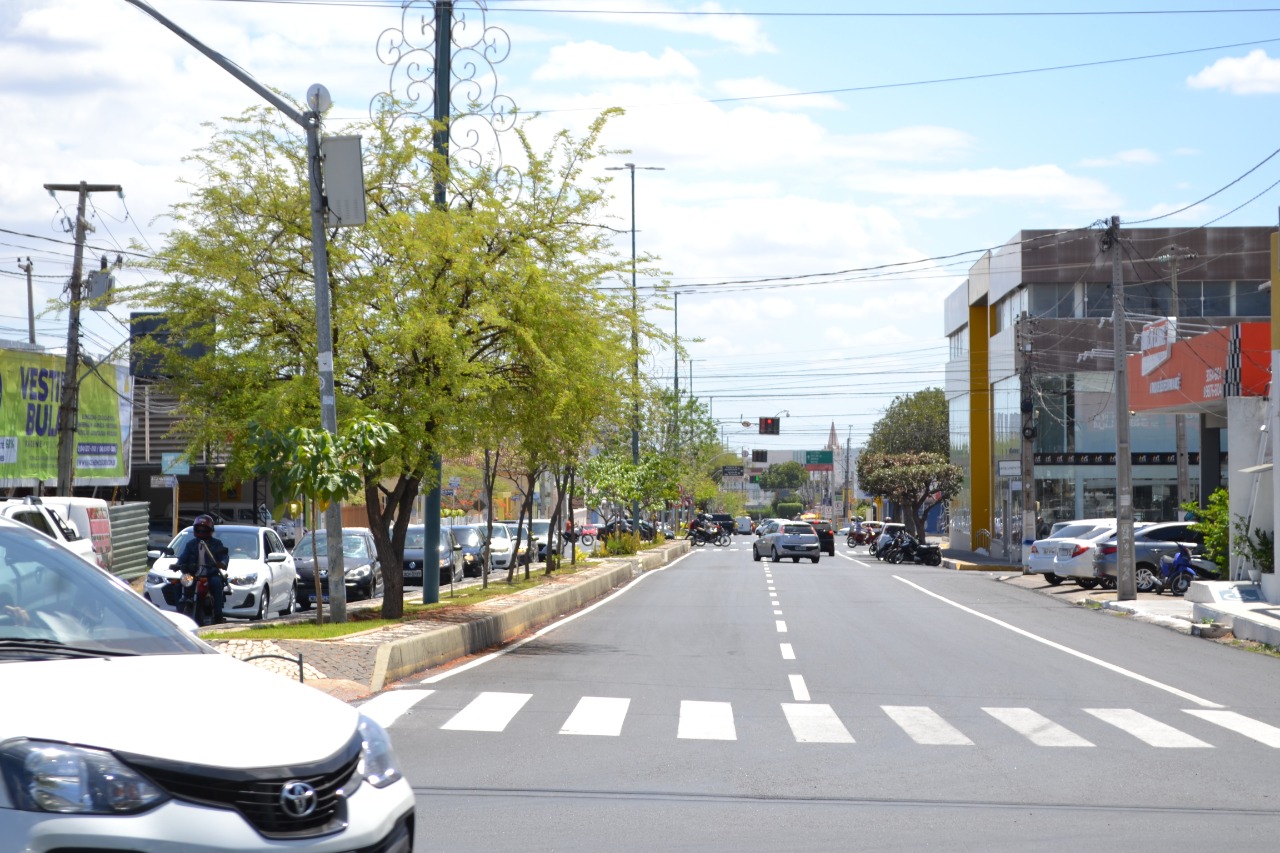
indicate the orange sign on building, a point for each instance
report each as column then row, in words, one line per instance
column 1199, row 373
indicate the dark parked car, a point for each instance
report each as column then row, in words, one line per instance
column 470, row 537
column 725, row 521
column 414, row 561
column 1150, row 543
column 360, row 566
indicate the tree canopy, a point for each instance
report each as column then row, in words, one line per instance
column 914, row 423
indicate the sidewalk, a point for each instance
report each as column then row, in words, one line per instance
column 360, row 664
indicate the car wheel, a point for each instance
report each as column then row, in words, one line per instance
column 1107, row 583
column 262, row 604
column 795, row 559
column 773, row 554
column 1051, row 579
column 293, row 599
column 304, row 603
column 755, row 555
column 815, row 560
column 1145, row 577
column 1086, row 583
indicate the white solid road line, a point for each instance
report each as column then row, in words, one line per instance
column 815, row 724
column 1146, row 729
column 549, row 628
column 706, row 721
column 1037, row 728
column 1261, row 732
column 597, row 715
column 925, row 726
column 386, row 708
column 851, row 560
column 1190, row 697
column 799, row 691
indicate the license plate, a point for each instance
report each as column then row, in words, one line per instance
column 325, row 598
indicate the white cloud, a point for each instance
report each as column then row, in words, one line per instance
column 1045, row 182
column 1132, row 157
column 1255, row 74
column 591, row 60
column 741, row 32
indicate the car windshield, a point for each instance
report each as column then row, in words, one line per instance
column 794, row 529
column 500, row 531
column 541, row 528
column 1100, row 533
column 353, row 545
column 240, row 544
column 55, row 605
column 468, row 537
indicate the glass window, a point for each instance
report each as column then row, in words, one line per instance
column 1154, row 298
column 1052, row 300
column 1097, row 300
column 1190, row 299
column 1215, row 299
column 1251, row 302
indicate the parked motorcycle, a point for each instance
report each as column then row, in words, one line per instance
column 908, row 549
column 1177, row 571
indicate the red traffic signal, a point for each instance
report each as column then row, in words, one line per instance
column 769, row 426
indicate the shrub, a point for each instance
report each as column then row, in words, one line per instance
column 1213, row 522
column 621, row 545
column 789, row 509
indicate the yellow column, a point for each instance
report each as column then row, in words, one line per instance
column 980, row 460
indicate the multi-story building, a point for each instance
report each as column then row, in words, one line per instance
column 1031, row 371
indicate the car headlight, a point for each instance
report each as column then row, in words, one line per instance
column 358, row 572
column 378, row 764
column 469, row 558
column 245, row 579
column 445, row 560
column 43, row 776
column 154, row 579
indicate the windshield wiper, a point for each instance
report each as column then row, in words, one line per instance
column 55, row 648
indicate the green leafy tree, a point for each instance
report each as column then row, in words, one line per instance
column 784, row 475
column 915, row 423
column 914, row 481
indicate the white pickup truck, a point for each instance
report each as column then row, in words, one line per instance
column 31, row 512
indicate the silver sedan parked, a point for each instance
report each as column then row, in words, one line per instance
column 794, row 539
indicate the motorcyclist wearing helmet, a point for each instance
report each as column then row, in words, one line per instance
column 205, row 556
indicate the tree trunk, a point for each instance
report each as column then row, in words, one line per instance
column 490, row 479
column 389, row 523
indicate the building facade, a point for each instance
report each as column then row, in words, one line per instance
column 1031, row 372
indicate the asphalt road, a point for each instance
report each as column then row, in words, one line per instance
column 722, row 703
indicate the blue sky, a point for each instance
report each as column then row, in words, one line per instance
column 781, row 160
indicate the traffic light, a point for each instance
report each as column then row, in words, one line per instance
column 759, row 456
column 769, row 426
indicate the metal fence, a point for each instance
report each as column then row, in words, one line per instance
column 130, row 523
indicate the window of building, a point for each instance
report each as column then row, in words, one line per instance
column 1052, row 300
column 1251, row 302
column 1097, row 300
column 959, row 344
column 1152, row 298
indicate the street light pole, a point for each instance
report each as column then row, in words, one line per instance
column 635, row 335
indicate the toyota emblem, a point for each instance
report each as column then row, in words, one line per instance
column 298, row 799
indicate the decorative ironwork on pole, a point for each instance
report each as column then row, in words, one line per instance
column 478, row 113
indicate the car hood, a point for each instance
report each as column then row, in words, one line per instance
column 185, row 708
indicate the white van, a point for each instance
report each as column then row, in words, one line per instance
column 35, row 514
column 91, row 517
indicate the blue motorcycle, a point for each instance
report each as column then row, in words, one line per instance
column 1177, row 571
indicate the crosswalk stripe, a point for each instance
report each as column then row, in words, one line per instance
column 925, row 726
column 597, row 715
column 815, row 724
column 1039, row 729
column 1239, row 723
column 799, row 691
column 386, row 708
column 1146, row 729
column 706, row 721
column 488, row 712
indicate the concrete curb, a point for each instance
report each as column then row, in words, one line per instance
column 962, row 566
column 408, row 656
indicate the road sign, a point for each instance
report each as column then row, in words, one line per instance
column 731, row 470
column 174, row 463
column 1009, row 467
column 818, row 460
column 447, row 493
column 455, row 482
column 164, row 481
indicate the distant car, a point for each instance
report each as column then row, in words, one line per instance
column 1150, row 544
column 1043, row 552
column 33, row 512
column 414, row 564
column 288, row 767
column 1073, row 558
column 744, row 526
column 826, row 535
column 794, row 539
column 361, row 570
column 470, row 538
column 262, row 577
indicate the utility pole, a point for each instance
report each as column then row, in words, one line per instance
column 68, row 407
column 845, row 497
column 31, row 301
column 1126, row 582
column 1172, row 255
column 1028, row 459
column 675, row 373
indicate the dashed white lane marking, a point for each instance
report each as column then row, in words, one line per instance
column 777, row 613
column 788, row 653
column 1261, row 732
column 597, row 715
column 799, row 691
column 706, row 721
column 488, row 712
column 925, row 726
column 815, row 724
column 1190, row 697
column 1037, row 728
column 386, row 708
column 782, row 626
column 1146, row 729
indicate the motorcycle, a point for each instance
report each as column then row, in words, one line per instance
column 1178, row 571
column 908, row 549
column 712, row 534
column 195, row 597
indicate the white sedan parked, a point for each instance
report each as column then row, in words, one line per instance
column 1044, row 552
column 262, row 578
column 1073, row 557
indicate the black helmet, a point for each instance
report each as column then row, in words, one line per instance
column 203, row 520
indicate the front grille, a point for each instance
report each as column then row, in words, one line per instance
column 255, row 793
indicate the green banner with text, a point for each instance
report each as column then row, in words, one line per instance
column 31, row 387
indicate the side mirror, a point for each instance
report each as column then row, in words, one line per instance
column 277, row 557
column 457, row 547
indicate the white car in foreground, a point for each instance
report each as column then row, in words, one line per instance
column 75, row 777
column 262, row 578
